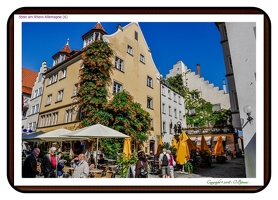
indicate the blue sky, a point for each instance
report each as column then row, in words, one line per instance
column 192, row 42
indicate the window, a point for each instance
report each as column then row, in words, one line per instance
column 119, row 64
column 75, row 89
column 149, row 102
column 180, row 115
column 32, row 126
column 136, row 35
column 163, row 108
column 192, row 111
column 142, row 58
column 55, row 78
column 54, row 118
column 175, row 113
column 164, row 127
column 152, row 128
column 235, row 100
column 35, row 109
column 42, row 121
column 48, row 101
column 216, row 107
column 64, row 73
column 169, row 94
column 117, row 87
column 40, row 78
column 170, row 111
column 37, row 92
column 163, row 90
column 50, row 81
column 175, row 97
column 129, row 50
column 149, row 81
column 194, row 96
column 179, row 99
column 230, row 62
column 68, row 115
column 60, row 95
column 48, row 118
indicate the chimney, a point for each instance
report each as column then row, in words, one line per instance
column 224, row 86
column 198, row 70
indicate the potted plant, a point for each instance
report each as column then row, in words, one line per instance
column 189, row 167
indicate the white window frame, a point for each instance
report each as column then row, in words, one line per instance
column 119, row 63
column 150, row 102
column 175, row 113
column 68, row 117
column 170, row 110
column 142, row 58
column 64, row 73
column 48, row 100
column 129, row 50
column 163, row 108
column 60, row 95
column 163, row 90
column 149, row 81
column 75, row 89
column 117, row 87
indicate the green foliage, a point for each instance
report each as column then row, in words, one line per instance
column 125, row 162
column 169, row 147
column 188, row 166
column 110, row 147
column 203, row 115
column 93, row 81
column 129, row 117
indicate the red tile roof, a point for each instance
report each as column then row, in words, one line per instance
column 66, row 49
column 99, row 26
column 28, row 80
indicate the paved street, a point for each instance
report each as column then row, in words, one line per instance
column 230, row 169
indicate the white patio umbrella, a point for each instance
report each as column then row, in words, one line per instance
column 32, row 136
column 96, row 131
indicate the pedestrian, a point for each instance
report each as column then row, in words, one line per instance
column 81, row 167
column 171, row 163
column 61, row 165
column 163, row 160
column 141, row 163
column 29, row 169
column 49, row 164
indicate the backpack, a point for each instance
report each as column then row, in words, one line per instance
column 165, row 161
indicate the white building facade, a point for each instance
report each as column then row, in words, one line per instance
column 239, row 48
column 172, row 112
column 35, row 100
column 218, row 97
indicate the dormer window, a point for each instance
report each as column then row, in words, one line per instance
column 59, row 59
column 95, row 36
column 64, row 72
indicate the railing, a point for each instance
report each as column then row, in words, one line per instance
column 207, row 130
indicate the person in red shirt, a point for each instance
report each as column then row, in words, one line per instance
column 49, row 164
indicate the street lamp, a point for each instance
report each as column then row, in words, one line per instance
column 248, row 110
column 177, row 130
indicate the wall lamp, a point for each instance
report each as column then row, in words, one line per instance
column 248, row 110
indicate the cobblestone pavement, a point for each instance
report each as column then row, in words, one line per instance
column 229, row 169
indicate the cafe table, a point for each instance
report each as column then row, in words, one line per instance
column 93, row 171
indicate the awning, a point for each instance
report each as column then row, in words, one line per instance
column 207, row 138
column 223, row 138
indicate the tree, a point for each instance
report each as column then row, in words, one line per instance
column 129, row 117
column 93, row 81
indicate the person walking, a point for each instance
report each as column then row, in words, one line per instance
column 49, row 164
column 81, row 167
column 141, row 163
column 61, row 165
column 171, row 163
column 164, row 158
column 29, row 169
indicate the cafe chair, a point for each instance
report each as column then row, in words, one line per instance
column 97, row 175
column 108, row 174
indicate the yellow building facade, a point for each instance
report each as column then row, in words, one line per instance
column 134, row 72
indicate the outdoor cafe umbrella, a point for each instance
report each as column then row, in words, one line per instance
column 183, row 150
column 32, row 136
column 218, row 149
column 96, row 131
column 174, row 143
column 127, row 147
column 204, row 146
column 159, row 146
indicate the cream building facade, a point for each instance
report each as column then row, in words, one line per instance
column 134, row 72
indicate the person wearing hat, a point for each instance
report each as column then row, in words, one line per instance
column 61, row 164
